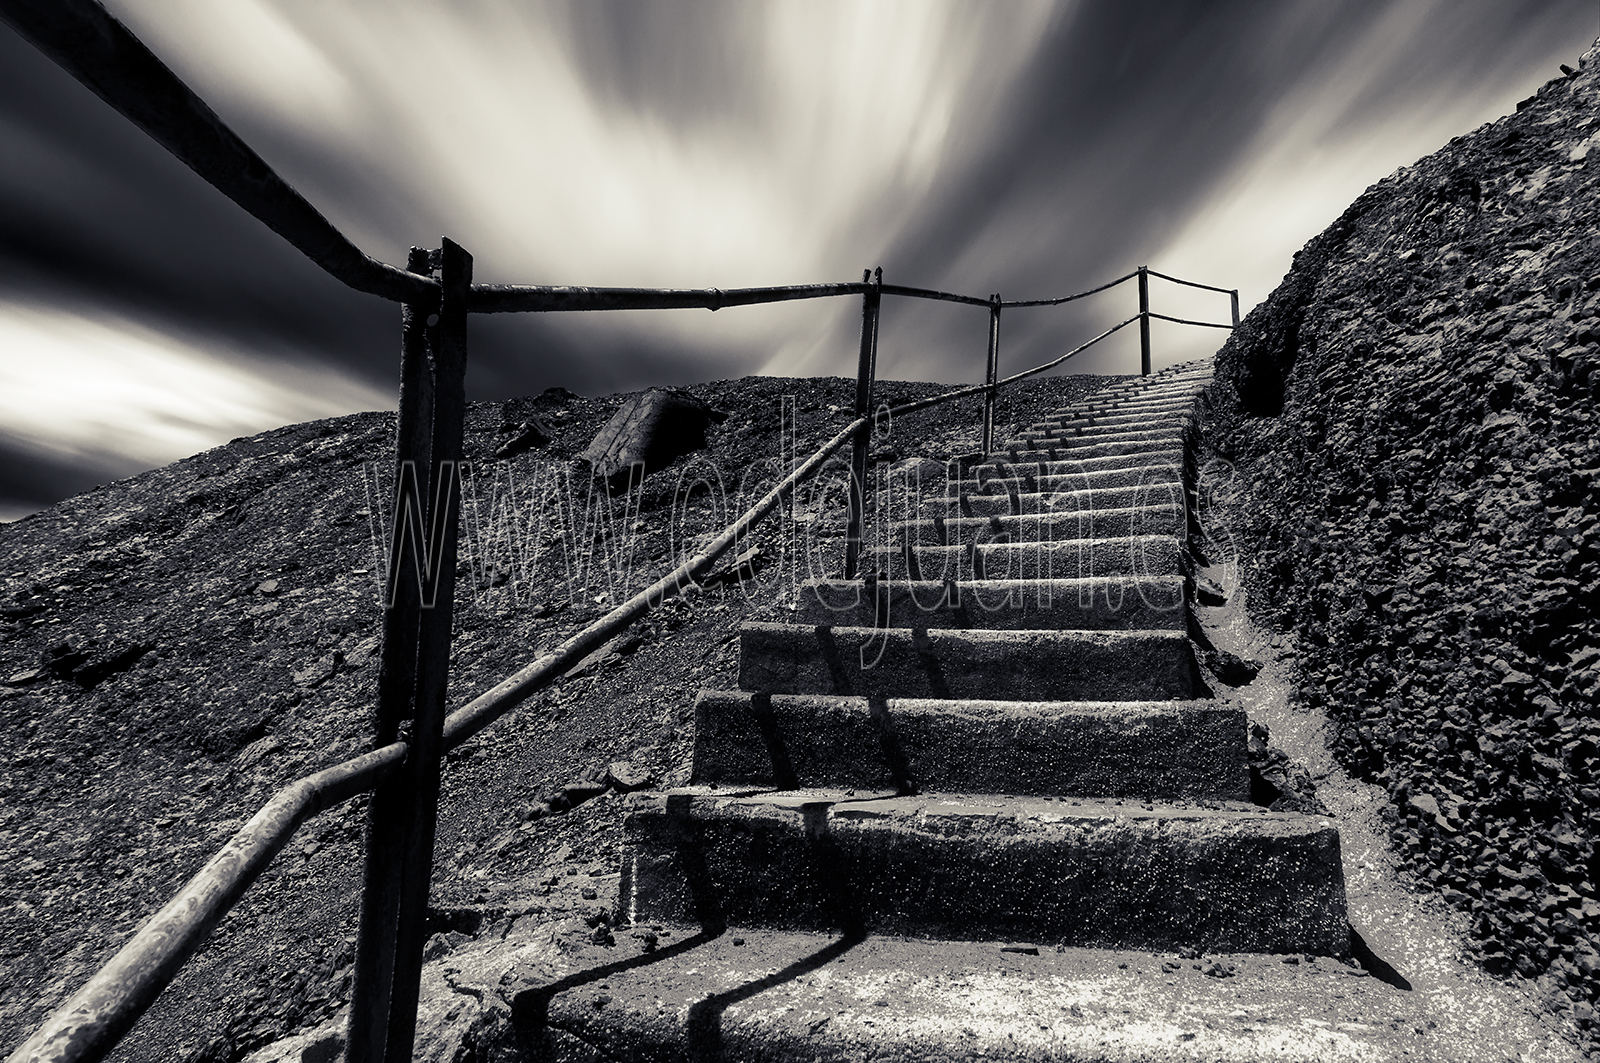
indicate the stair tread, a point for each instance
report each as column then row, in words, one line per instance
column 1166, row 749
column 784, row 995
column 1148, row 874
column 1029, row 665
column 1012, row 811
column 1147, row 602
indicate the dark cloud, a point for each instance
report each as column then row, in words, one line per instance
column 1133, row 115
column 34, row 478
column 683, row 62
column 1127, row 122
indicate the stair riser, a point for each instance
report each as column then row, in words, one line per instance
column 1146, row 883
column 1005, row 472
column 1139, row 406
column 1032, row 483
column 996, row 502
column 1164, row 390
column 1149, row 556
column 1123, row 604
column 1083, row 479
column 1005, row 665
column 1036, row 528
column 1164, row 750
column 1072, row 458
column 1114, row 418
column 1072, row 446
column 1085, row 430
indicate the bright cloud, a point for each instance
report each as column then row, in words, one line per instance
column 121, row 394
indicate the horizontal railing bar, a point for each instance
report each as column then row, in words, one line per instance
column 978, row 389
column 1192, row 284
column 929, row 293
column 115, row 65
column 522, row 298
column 88, row 1025
column 1069, row 298
column 1185, row 321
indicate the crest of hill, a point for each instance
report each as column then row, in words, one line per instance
column 1413, row 414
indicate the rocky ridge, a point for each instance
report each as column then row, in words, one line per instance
column 1411, row 417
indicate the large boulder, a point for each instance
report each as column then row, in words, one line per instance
column 649, row 429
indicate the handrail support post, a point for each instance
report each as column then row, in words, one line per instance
column 866, row 372
column 415, row 666
column 1235, row 296
column 991, row 373
column 1144, row 320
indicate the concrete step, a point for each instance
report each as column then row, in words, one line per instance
column 1157, row 385
column 1118, row 489
column 951, row 663
column 1061, row 526
column 1089, row 429
column 1171, row 750
column 1122, row 603
column 1230, row 877
column 790, row 997
column 1070, row 453
column 1001, row 469
column 1128, row 405
column 1026, row 479
column 1069, row 446
column 1085, row 418
column 1144, row 556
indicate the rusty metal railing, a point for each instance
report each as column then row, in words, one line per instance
column 437, row 294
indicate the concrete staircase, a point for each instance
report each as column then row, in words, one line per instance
column 1001, row 734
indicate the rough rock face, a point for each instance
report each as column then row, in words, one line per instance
column 1413, row 410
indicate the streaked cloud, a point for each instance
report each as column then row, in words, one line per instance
column 114, row 396
column 1032, row 148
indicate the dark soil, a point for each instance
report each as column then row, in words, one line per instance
column 176, row 647
column 1413, row 411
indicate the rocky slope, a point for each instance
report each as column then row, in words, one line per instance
column 177, row 646
column 1412, row 418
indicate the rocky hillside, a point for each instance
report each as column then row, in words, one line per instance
column 177, row 646
column 1413, row 412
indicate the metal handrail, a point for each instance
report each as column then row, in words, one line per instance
column 1185, row 321
column 111, row 62
column 1070, row 298
column 1192, row 284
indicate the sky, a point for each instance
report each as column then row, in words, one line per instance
column 1029, row 148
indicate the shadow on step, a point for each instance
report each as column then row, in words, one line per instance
column 1374, row 964
column 704, row 1025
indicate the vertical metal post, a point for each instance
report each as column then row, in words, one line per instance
column 991, row 373
column 1144, row 320
column 413, row 678
column 386, row 827
column 421, row 772
column 1235, row 294
column 866, row 367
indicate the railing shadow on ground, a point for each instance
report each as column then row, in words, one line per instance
column 436, row 294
